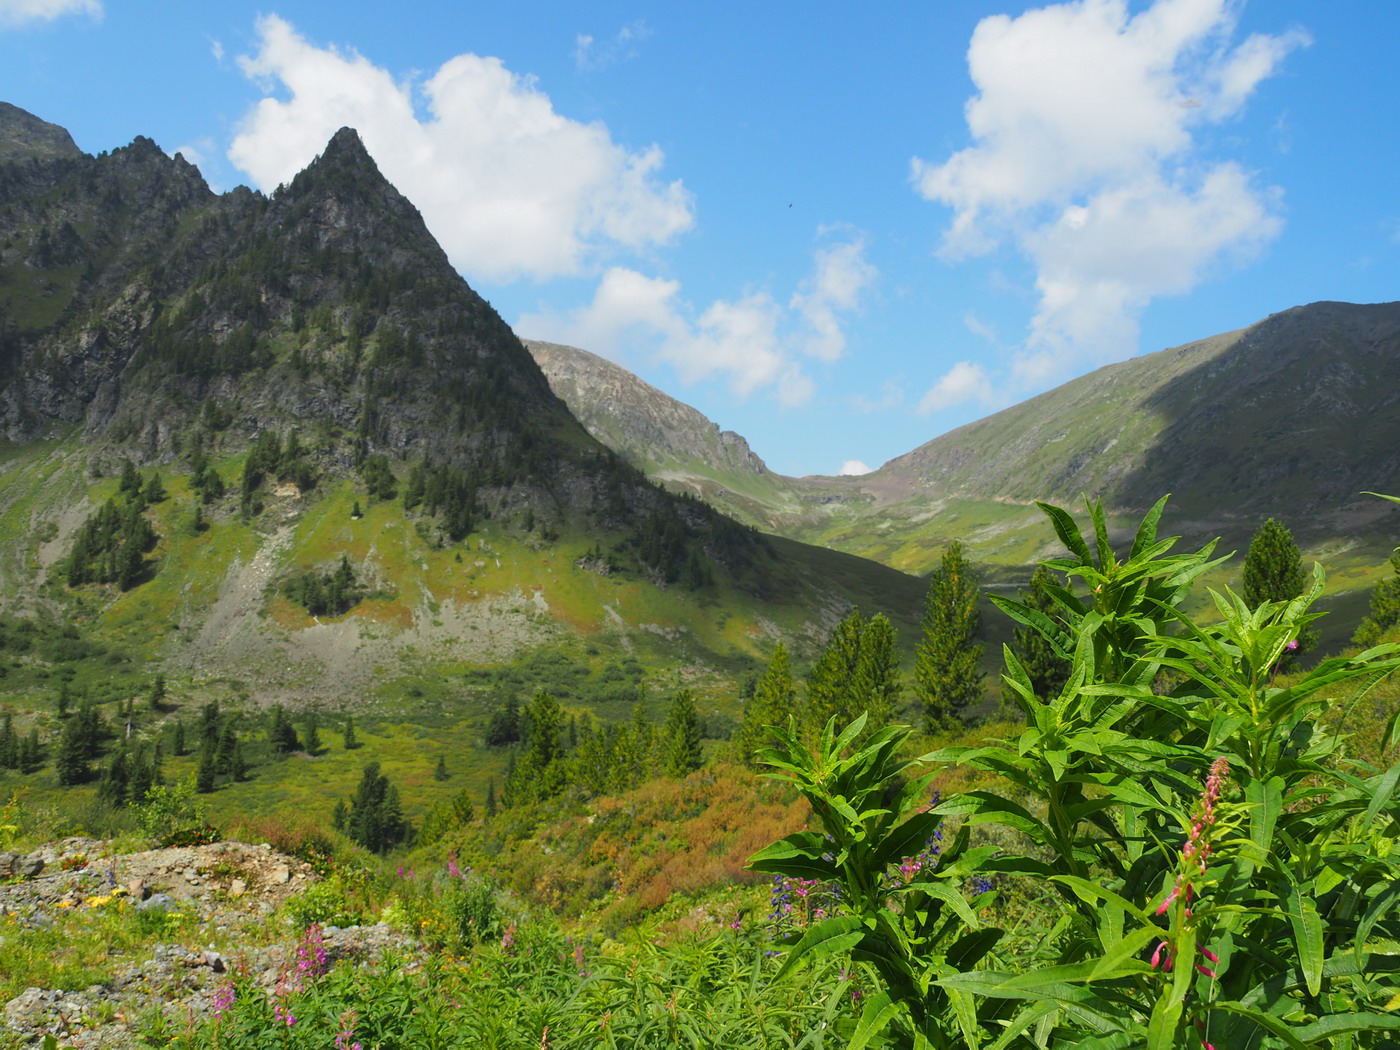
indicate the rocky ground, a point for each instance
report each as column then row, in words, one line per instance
column 228, row 890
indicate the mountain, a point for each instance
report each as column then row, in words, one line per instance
column 676, row 445
column 1292, row 417
column 315, row 385
column 23, row 136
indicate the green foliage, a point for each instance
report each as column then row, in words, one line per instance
column 1273, row 572
column 325, row 594
column 947, row 662
column 857, row 672
column 772, row 703
column 376, row 820
column 1222, row 872
column 681, row 735
column 110, row 546
column 172, row 812
column 1385, row 608
column 1047, row 668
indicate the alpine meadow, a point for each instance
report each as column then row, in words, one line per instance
column 374, row 676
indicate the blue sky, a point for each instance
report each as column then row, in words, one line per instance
column 839, row 231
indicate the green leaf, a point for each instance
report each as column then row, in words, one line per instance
column 1266, row 1021
column 1089, row 892
column 1336, row 1024
column 1383, row 791
column 948, row 895
column 907, row 839
column 1115, row 962
column 1307, row 934
column 878, row 1012
column 832, row 936
column 1068, row 531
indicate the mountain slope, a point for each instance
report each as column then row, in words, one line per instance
column 351, row 397
column 674, row 444
column 1292, row 417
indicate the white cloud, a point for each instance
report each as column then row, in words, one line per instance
column 591, row 54
column 964, row 382
column 1085, row 159
column 19, row 12
column 753, row 342
column 842, row 276
column 508, row 186
column 853, row 468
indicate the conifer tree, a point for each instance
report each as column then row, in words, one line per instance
column 774, row 699
column 375, row 820
column 204, row 775
column 224, row 750
column 1385, row 608
column 350, row 742
column 491, row 797
column 178, row 744
column 947, row 662
column 311, row 740
column 682, row 735
column 157, row 693
column 831, row 684
column 440, row 772
column 9, row 744
column 1048, row 670
column 30, row 752
column 1273, row 567
column 1273, row 572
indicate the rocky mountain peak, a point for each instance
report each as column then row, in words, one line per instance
column 23, row 136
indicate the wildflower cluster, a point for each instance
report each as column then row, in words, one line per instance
column 794, row 901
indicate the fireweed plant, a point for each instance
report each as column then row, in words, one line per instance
column 1224, row 873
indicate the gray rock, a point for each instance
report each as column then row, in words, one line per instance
column 160, row 902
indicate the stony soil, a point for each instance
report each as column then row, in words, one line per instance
column 231, row 888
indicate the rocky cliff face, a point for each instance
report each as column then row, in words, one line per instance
column 159, row 316
column 23, row 136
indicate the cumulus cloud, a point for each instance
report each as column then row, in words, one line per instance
column 853, row 468
column 20, row 12
column 1086, row 158
column 593, row 54
column 965, row 382
column 509, row 187
column 753, row 342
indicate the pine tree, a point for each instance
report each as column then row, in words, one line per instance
column 947, row 662
column 9, row 744
column 491, row 797
column 1048, row 670
column 157, row 693
column 311, row 740
column 350, row 741
column 281, row 734
column 440, row 772
column 774, row 699
column 682, row 734
column 30, row 753
column 224, row 751
column 178, row 744
column 1385, row 608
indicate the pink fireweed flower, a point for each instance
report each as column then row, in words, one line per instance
column 224, row 998
column 1161, row 957
column 347, row 1032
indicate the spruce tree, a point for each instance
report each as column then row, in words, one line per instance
column 311, row 740
column 350, row 741
column 682, row 735
column 831, row 684
column 1048, row 670
column 204, row 775
column 375, row 820
column 491, row 797
column 157, row 693
column 774, row 699
column 1273, row 572
column 1385, row 608
column 440, row 772
column 1273, row 568
column 947, row 662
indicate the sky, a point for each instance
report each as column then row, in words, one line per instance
column 839, row 230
